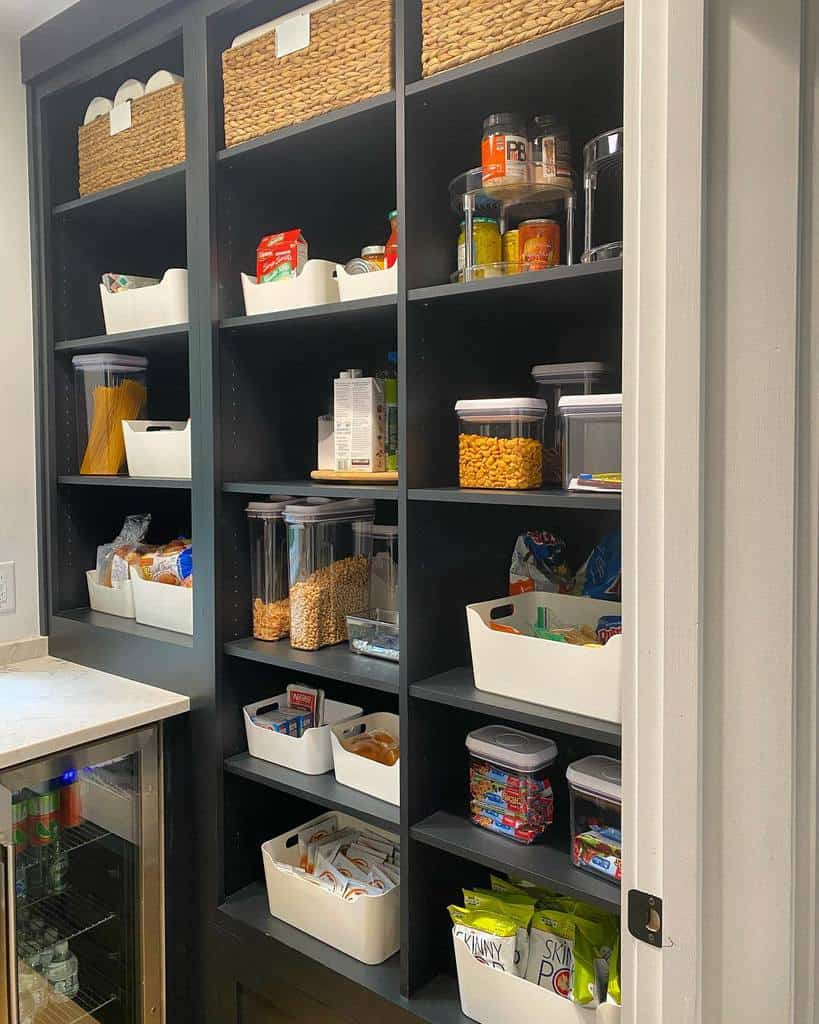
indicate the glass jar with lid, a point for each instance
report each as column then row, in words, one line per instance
column 500, row 442
column 375, row 255
column 268, row 568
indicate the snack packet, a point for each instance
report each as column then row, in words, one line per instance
column 491, row 938
column 614, row 993
column 539, row 563
column 126, row 282
column 379, row 879
column 600, row 574
column 330, row 877
column 551, row 952
column 516, row 906
column 320, row 829
column 593, row 943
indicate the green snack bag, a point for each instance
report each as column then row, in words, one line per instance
column 517, row 906
column 502, row 885
column 614, row 971
column 592, row 953
column 490, row 937
column 551, row 952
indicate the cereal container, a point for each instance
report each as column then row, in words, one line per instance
column 554, row 380
column 596, row 801
column 591, row 427
column 500, row 442
column 268, row 569
column 328, row 578
column 509, row 786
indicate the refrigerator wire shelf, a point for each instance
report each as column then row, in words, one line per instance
column 82, row 835
column 82, row 1007
column 71, row 914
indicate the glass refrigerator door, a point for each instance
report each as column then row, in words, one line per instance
column 82, row 924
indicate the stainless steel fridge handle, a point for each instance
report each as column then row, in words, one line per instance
column 9, row 924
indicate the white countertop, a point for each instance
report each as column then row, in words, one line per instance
column 47, row 705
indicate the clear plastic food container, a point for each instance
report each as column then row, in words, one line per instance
column 591, row 428
column 596, row 810
column 108, row 389
column 269, row 582
column 379, row 544
column 500, row 442
column 328, row 576
column 554, row 380
column 509, row 786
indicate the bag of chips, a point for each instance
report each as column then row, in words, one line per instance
column 516, row 906
column 600, row 574
column 490, row 937
column 539, row 563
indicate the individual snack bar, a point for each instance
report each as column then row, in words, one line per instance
column 380, row 879
column 600, row 849
column 306, row 698
column 490, row 937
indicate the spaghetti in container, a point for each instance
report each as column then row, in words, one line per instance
column 108, row 389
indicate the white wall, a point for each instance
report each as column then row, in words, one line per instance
column 18, row 518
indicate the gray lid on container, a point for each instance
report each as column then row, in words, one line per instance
column 598, row 775
column 329, row 512
column 512, row 748
column 110, row 358
column 273, row 509
column 548, row 373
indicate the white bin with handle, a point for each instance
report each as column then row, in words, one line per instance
column 366, row 286
column 490, row 996
column 311, row 753
column 158, row 448
column 581, row 680
column 379, row 780
column 314, row 286
column 162, row 605
column 156, row 305
column 111, row 600
column 367, row 928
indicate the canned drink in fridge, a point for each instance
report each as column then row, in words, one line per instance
column 539, row 244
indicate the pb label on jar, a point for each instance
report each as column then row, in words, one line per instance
column 504, row 150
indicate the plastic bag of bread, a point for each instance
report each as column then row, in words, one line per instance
column 114, row 560
column 172, row 564
column 378, row 745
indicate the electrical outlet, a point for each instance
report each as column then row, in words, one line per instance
column 8, row 599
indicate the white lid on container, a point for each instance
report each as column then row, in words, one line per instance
column 495, row 410
column 107, row 360
column 376, row 529
column 551, row 373
column 590, row 405
column 330, row 512
column 512, row 748
column 597, row 775
column 273, row 509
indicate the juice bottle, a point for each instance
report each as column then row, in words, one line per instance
column 391, row 248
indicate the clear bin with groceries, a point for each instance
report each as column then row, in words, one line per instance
column 269, row 581
column 108, row 389
column 500, row 442
column 596, row 794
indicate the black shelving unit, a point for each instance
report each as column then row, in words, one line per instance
column 254, row 386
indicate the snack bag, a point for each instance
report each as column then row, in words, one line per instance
column 614, row 993
column 516, row 906
column 539, row 563
column 321, row 829
column 491, row 938
column 592, row 951
column 599, row 576
column 551, row 952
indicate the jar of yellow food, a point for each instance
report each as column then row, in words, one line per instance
column 500, row 442
column 486, row 243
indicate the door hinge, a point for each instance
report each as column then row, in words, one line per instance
column 645, row 917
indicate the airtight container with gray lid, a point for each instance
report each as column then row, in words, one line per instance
column 108, row 389
column 268, row 568
column 596, row 793
column 509, row 782
column 554, row 380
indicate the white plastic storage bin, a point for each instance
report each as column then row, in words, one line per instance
column 158, row 305
column 357, row 772
column 158, row 448
column 590, row 429
column 162, row 605
column 314, row 286
column 366, row 286
column 111, row 600
column 582, row 680
column 310, row 753
column 490, row 996
column 367, row 929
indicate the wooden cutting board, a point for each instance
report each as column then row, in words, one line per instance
column 334, row 476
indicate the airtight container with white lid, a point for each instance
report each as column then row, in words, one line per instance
column 554, row 381
column 328, row 574
column 509, row 782
column 108, row 389
column 596, row 795
column 500, row 442
column 591, row 428
column 268, row 568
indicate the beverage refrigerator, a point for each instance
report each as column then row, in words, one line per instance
column 82, row 885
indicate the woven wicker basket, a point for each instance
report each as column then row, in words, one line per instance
column 457, row 31
column 349, row 59
column 156, row 139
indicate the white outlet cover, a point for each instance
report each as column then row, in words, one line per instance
column 8, row 598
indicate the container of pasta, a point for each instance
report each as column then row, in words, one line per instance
column 108, row 389
column 510, row 790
